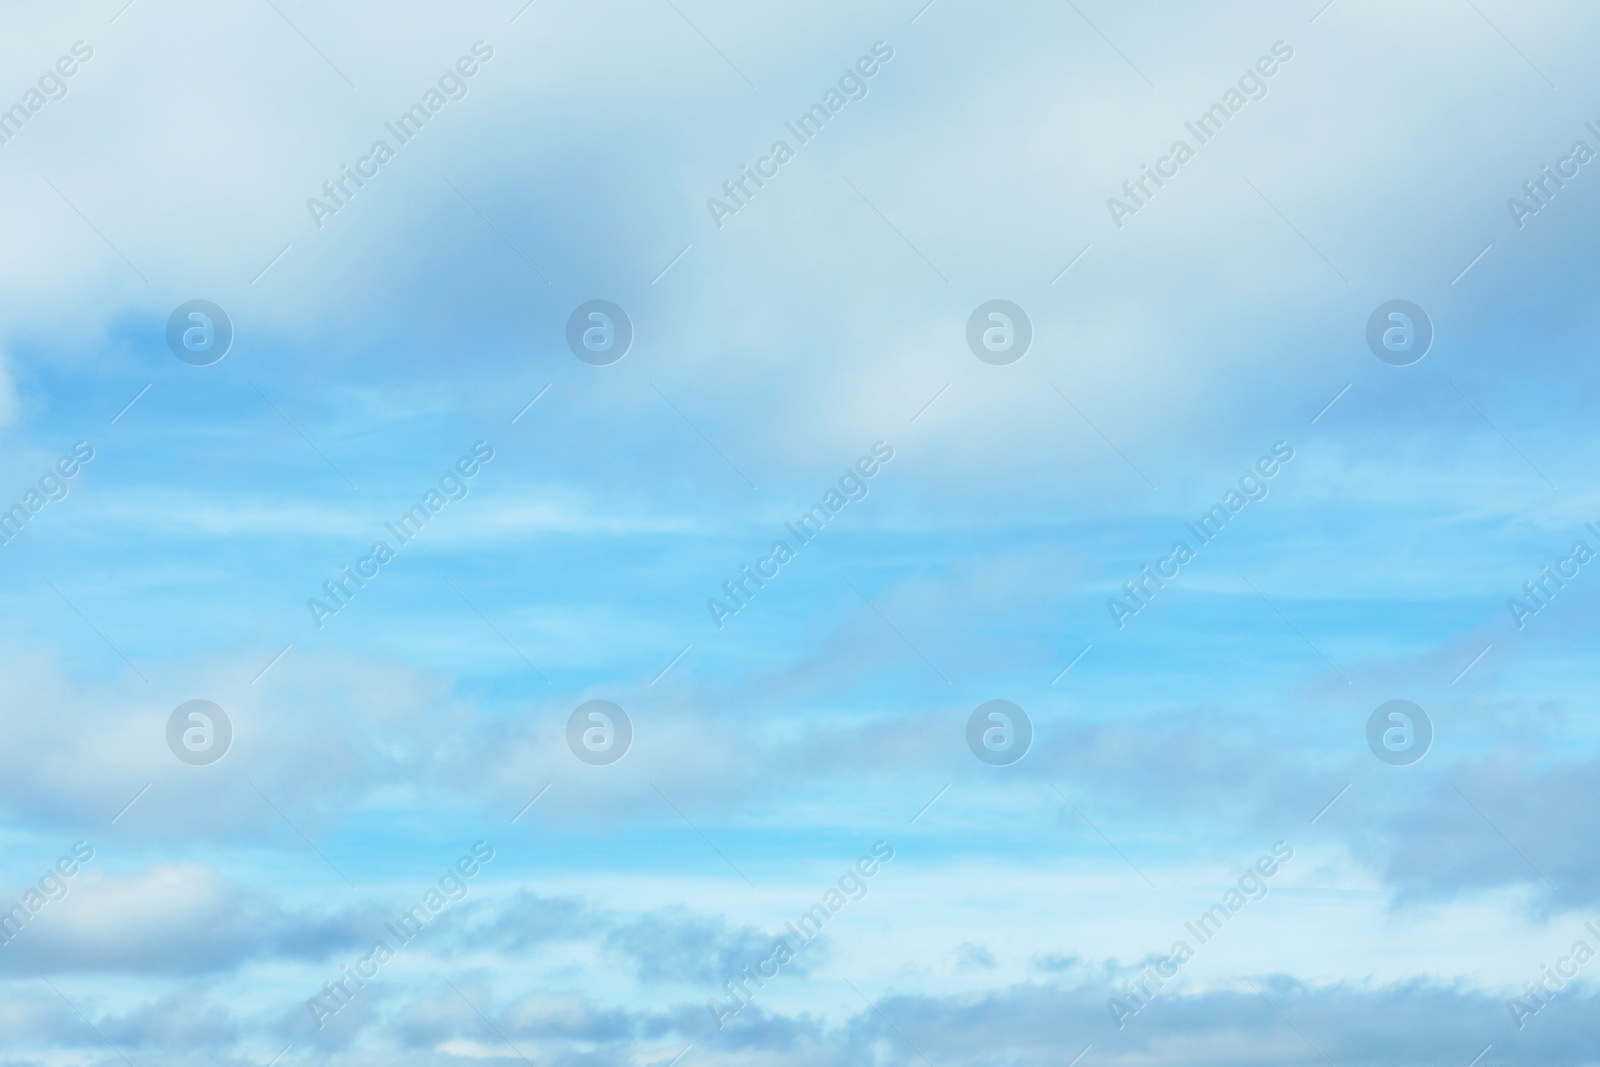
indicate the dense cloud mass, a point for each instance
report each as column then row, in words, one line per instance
column 687, row 534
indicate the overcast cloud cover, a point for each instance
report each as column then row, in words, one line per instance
column 400, row 760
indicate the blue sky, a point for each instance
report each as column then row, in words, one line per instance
column 772, row 349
